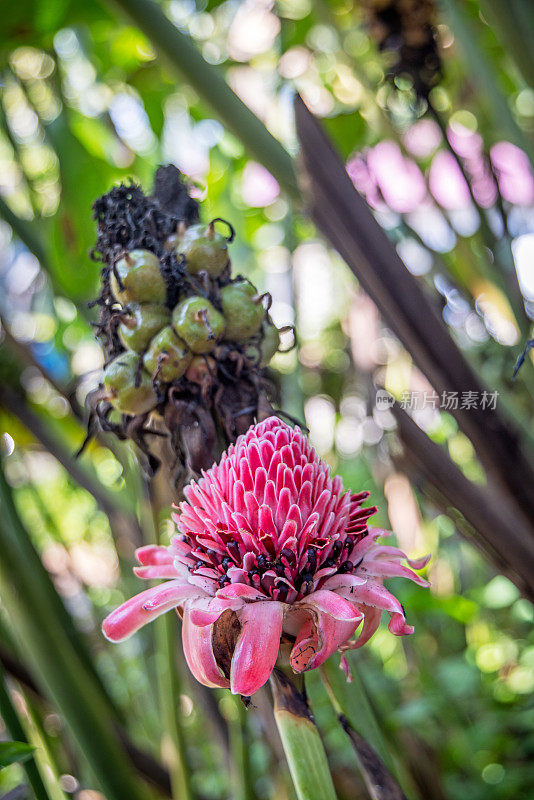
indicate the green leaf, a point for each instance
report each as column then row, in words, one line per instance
column 16, row 731
column 14, row 752
column 347, row 131
column 83, row 178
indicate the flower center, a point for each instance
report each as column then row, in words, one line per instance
column 282, row 570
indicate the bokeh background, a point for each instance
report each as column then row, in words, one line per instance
column 87, row 101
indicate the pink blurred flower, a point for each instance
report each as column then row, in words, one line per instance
column 447, row 183
column 467, row 143
column 258, row 187
column 470, row 147
column 449, row 188
column 514, row 173
column 399, row 178
column 423, row 138
column 365, row 182
column 271, row 551
column 388, row 179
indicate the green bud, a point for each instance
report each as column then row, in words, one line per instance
column 204, row 249
column 119, row 382
column 267, row 347
column 198, row 323
column 270, row 343
column 141, row 324
column 140, row 275
column 242, row 309
column 167, row 356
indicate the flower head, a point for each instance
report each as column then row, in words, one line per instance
column 272, row 554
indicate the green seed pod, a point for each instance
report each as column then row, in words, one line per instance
column 204, row 249
column 141, row 325
column 168, row 356
column 262, row 352
column 242, row 309
column 119, row 382
column 198, row 323
column 141, row 279
column 270, row 343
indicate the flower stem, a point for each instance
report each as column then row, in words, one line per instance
column 236, row 714
column 302, row 743
column 173, row 744
column 169, row 687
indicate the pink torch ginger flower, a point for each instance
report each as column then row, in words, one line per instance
column 271, row 551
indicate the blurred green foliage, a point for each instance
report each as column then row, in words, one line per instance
column 87, row 102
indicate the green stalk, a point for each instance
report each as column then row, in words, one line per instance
column 47, row 753
column 208, row 81
column 302, row 743
column 174, row 749
column 240, row 772
column 16, row 731
column 56, row 663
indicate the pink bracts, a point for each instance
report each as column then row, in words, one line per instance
column 271, row 551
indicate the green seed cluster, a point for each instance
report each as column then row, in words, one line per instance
column 172, row 346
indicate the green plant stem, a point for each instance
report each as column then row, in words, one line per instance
column 242, row 787
column 173, row 745
column 302, row 743
column 49, row 758
column 16, row 731
column 207, row 80
column 174, row 749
